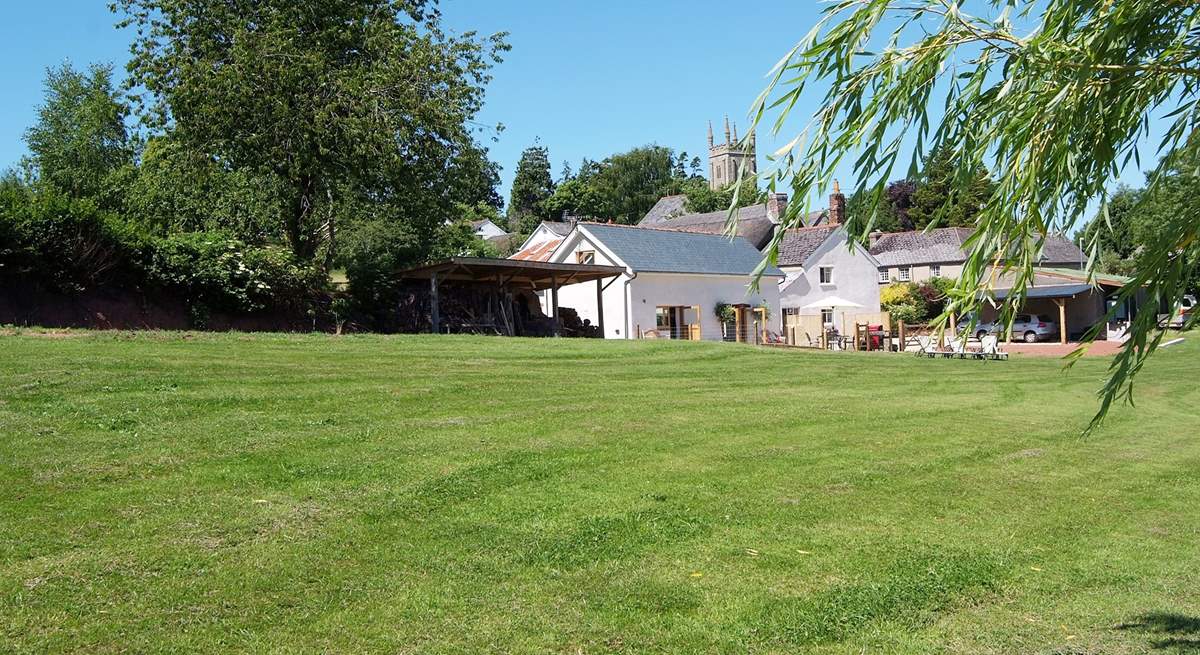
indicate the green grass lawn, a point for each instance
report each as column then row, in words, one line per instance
column 216, row 493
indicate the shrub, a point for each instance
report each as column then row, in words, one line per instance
column 898, row 293
column 372, row 252
column 905, row 302
column 212, row 270
column 68, row 245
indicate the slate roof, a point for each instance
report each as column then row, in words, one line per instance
column 1053, row 291
column 560, row 228
column 945, row 245
column 666, row 208
column 650, row 250
column 798, row 244
column 753, row 222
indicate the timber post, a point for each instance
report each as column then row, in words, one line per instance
column 600, row 307
column 435, row 319
column 1062, row 319
column 554, row 303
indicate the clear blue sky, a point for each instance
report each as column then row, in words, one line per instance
column 587, row 78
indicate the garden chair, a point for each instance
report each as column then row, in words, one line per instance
column 928, row 347
column 990, row 346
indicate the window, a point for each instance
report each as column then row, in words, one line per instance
column 826, row 275
column 935, row 270
column 791, row 311
column 883, row 276
column 905, row 273
column 585, row 257
column 827, row 316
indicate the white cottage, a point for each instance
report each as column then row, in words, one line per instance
column 826, row 277
column 486, row 229
column 673, row 284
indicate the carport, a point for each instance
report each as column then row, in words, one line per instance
column 507, row 276
column 1059, row 294
column 1079, row 304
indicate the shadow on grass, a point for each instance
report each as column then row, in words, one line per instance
column 1168, row 631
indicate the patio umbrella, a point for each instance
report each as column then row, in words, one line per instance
column 831, row 301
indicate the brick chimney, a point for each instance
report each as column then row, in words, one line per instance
column 776, row 206
column 875, row 237
column 837, row 206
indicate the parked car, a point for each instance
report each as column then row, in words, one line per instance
column 1182, row 314
column 1029, row 328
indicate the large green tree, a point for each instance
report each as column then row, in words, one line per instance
column 532, row 187
column 179, row 190
column 80, row 144
column 362, row 104
column 1053, row 96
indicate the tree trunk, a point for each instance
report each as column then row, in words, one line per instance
column 299, row 237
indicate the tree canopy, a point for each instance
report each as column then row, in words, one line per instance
column 927, row 200
column 344, row 102
column 80, row 144
column 1055, row 97
column 624, row 186
column 532, row 187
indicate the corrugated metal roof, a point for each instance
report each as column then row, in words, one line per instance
column 670, row 251
column 539, row 252
column 1082, row 276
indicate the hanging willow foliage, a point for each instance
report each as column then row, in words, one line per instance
column 1054, row 96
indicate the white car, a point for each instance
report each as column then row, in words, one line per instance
column 1182, row 314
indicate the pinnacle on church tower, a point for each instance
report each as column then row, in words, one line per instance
column 729, row 161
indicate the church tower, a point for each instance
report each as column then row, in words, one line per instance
column 728, row 160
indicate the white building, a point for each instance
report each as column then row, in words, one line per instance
column 826, row 276
column 486, row 229
column 673, row 283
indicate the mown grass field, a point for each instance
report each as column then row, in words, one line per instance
column 234, row 493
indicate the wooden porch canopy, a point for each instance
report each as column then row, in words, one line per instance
column 511, row 273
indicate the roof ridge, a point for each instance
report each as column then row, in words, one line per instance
column 656, row 228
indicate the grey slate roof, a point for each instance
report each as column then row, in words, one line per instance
column 945, row 245
column 560, row 228
column 666, row 208
column 753, row 224
column 649, row 250
column 1054, row 291
column 798, row 244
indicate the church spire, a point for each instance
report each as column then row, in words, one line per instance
column 726, row 129
column 710, row 136
column 735, row 139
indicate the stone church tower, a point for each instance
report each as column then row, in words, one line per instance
column 727, row 160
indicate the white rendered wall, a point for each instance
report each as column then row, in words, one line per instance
column 855, row 278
